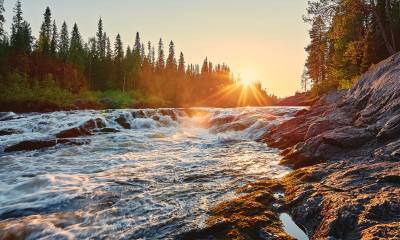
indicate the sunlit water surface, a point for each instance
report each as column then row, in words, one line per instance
column 153, row 181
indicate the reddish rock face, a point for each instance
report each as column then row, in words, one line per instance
column 349, row 143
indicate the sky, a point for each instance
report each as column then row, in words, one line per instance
column 261, row 40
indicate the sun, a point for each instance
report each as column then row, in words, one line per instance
column 247, row 78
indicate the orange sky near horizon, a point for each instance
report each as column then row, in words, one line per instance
column 259, row 39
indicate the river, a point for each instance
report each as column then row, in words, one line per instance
column 153, row 179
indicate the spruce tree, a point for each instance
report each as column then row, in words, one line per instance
column 2, row 20
column 76, row 47
column 160, row 65
column 101, row 40
column 63, row 48
column 136, row 53
column 204, row 68
column 54, row 40
column 171, row 61
column 142, row 53
column 118, row 62
column 45, row 33
column 16, row 27
column 138, row 45
column 181, row 63
column 118, row 49
column 149, row 52
column 108, row 49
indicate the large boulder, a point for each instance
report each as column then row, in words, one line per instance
column 31, row 145
column 83, row 130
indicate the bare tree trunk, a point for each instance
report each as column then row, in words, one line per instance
column 388, row 45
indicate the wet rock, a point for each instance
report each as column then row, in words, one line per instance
column 348, row 137
column 248, row 217
column 32, row 145
column 170, row 113
column 121, row 120
column 391, row 129
column 9, row 131
column 350, row 144
column 108, row 130
column 139, row 114
column 83, row 130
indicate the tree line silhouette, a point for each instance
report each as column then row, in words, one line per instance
column 64, row 64
column 347, row 38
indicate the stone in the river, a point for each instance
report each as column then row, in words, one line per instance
column 32, row 145
column 83, row 130
column 108, row 130
column 9, row 131
column 121, row 120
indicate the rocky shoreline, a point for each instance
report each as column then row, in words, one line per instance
column 345, row 151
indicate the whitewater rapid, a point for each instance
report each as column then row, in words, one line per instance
column 155, row 175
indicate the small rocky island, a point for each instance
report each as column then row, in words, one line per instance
column 346, row 154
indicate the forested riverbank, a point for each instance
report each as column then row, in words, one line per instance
column 59, row 70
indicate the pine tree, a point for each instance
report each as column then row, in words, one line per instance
column 142, row 53
column 21, row 37
column 138, row 45
column 63, row 48
column 160, row 65
column 76, row 47
column 101, row 40
column 136, row 53
column 118, row 61
column 108, row 49
column 181, row 63
column 54, row 40
column 118, row 49
column 204, row 68
column 2, row 20
column 153, row 56
column 45, row 33
column 171, row 61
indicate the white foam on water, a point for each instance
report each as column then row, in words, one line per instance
column 152, row 181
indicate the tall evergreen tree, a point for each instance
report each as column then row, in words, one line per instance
column 63, row 47
column 136, row 53
column 142, row 52
column 160, row 65
column 101, row 40
column 149, row 52
column 43, row 45
column 2, row 19
column 181, row 63
column 108, row 49
column 204, row 68
column 21, row 33
column 171, row 61
column 54, row 40
column 118, row 61
column 76, row 54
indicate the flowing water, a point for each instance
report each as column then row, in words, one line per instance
column 154, row 180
